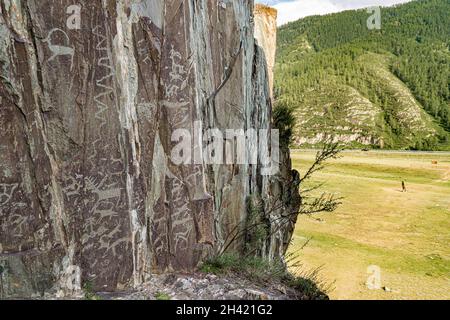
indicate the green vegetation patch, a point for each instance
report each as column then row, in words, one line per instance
column 385, row 88
column 261, row 271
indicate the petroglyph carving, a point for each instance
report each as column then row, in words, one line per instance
column 104, row 199
column 104, row 61
column 6, row 192
column 182, row 214
column 106, row 195
column 178, row 73
column 96, row 188
column 59, row 50
column 18, row 223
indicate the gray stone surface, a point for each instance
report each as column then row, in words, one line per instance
column 200, row 286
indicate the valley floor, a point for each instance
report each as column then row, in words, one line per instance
column 405, row 235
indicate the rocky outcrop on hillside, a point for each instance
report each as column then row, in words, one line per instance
column 93, row 98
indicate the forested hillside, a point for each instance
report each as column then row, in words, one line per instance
column 385, row 88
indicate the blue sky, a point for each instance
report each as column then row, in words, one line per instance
column 290, row 10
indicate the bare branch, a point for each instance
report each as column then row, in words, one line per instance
column 330, row 150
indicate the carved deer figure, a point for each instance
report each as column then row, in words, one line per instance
column 59, row 50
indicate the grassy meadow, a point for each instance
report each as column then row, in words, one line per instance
column 407, row 235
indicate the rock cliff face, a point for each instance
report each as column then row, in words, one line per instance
column 266, row 37
column 91, row 95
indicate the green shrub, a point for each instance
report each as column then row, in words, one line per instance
column 261, row 271
column 284, row 121
column 89, row 293
column 162, row 296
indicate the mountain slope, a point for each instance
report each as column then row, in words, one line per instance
column 384, row 88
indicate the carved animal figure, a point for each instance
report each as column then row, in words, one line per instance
column 59, row 50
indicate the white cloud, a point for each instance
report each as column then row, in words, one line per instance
column 291, row 10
